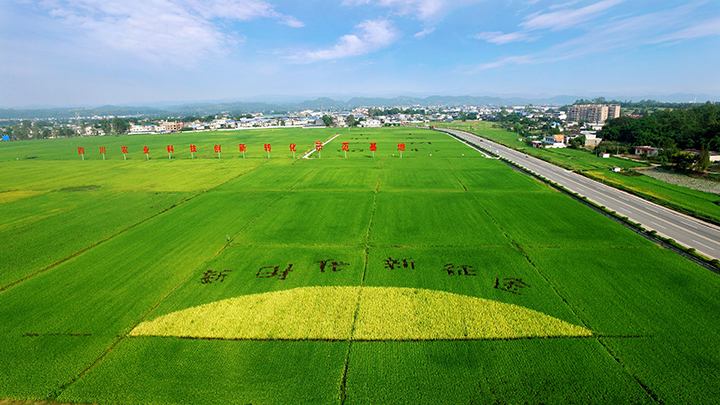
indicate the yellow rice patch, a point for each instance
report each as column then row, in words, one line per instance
column 10, row 196
column 412, row 314
column 328, row 313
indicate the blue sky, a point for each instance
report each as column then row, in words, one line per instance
column 91, row 52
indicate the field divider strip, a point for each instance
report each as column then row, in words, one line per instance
column 459, row 181
column 491, row 339
column 120, row 232
column 343, row 380
column 597, row 338
column 55, row 394
column 120, row 338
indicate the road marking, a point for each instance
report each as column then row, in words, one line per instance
column 656, row 224
column 691, row 226
column 703, row 245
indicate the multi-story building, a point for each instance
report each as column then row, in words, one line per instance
column 593, row 112
column 170, row 126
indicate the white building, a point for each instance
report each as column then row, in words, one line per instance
column 371, row 123
column 143, row 129
column 555, row 141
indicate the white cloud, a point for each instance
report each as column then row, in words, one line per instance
column 552, row 21
column 671, row 26
column 563, row 19
column 371, row 36
column 424, row 10
column 241, row 10
column 499, row 38
column 510, row 60
column 160, row 30
column 563, row 5
column 424, row 32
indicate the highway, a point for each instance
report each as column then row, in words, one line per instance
column 686, row 230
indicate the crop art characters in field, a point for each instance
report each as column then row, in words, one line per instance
column 318, row 147
column 268, row 148
column 242, row 149
column 401, row 148
column 102, row 151
column 193, row 149
column 373, row 147
column 292, row 148
column 345, row 148
column 170, row 151
column 124, row 152
column 218, row 149
column 81, row 152
column 146, row 151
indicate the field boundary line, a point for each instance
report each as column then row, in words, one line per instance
column 459, row 181
column 597, row 337
column 142, row 317
column 120, row 232
column 57, row 392
column 343, row 380
column 508, row 339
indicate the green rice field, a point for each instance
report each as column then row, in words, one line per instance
column 442, row 277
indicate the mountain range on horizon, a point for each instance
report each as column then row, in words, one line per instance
column 238, row 106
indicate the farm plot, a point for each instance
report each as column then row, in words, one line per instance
column 548, row 371
column 526, row 217
column 31, row 225
column 443, row 279
column 432, row 219
column 650, row 293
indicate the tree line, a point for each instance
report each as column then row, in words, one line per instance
column 40, row 129
column 629, row 104
column 686, row 128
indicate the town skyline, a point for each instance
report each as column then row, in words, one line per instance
column 83, row 52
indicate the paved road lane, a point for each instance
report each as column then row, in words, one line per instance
column 691, row 232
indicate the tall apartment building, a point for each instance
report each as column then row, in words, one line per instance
column 593, row 112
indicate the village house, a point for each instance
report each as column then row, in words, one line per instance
column 646, row 150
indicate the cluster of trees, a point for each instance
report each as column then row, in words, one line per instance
column 40, row 129
column 27, row 129
column 524, row 126
column 642, row 104
column 686, row 128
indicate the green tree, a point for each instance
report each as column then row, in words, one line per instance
column 328, row 120
column 119, row 125
column 518, row 127
column 683, row 160
column 351, row 120
column 703, row 160
column 105, row 126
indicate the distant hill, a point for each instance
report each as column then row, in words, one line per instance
column 64, row 113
